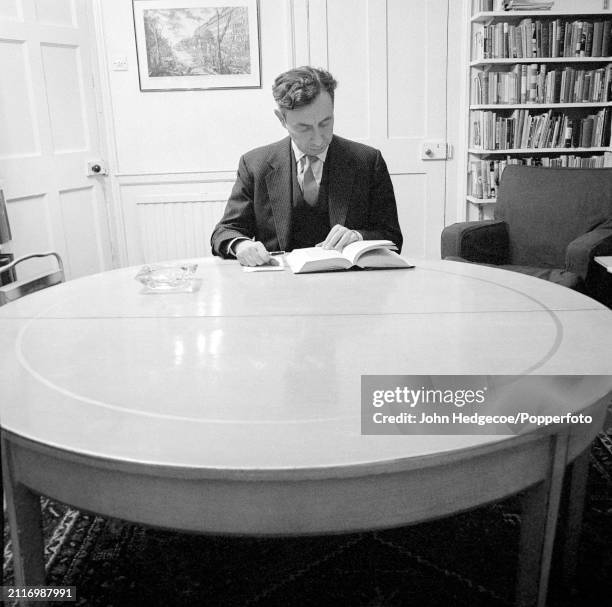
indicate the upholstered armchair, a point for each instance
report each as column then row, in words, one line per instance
column 548, row 223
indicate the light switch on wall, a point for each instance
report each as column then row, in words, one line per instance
column 119, row 63
column 436, row 150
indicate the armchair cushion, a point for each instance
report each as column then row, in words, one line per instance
column 478, row 241
column 556, row 275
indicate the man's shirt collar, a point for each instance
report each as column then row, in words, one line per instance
column 299, row 154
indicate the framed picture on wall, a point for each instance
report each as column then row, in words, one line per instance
column 187, row 45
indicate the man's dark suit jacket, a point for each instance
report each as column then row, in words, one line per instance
column 360, row 196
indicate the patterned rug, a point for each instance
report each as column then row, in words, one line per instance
column 464, row 560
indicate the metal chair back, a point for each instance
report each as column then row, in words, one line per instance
column 19, row 288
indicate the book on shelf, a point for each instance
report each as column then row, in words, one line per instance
column 485, row 174
column 525, row 129
column 528, row 5
column 490, row 5
column 513, row 5
column 547, row 79
column 544, row 38
column 364, row 254
column 606, row 42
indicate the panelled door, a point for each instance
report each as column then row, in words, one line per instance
column 390, row 59
column 49, row 132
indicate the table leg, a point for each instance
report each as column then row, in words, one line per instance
column 25, row 522
column 540, row 511
column 575, row 511
column 570, row 524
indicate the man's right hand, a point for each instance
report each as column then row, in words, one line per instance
column 250, row 253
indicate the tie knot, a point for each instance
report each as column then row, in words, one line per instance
column 311, row 160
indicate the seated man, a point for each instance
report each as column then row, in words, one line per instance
column 312, row 188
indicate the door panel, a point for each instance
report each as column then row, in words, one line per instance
column 48, row 133
column 61, row 68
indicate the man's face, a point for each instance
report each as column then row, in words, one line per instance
column 311, row 127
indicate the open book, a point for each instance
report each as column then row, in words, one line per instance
column 362, row 254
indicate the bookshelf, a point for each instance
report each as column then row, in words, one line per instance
column 540, row 93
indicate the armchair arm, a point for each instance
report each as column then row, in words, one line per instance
column 479, row 241
column 579, row 259
column 580, row 251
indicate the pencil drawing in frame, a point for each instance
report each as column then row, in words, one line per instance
column 186, row 45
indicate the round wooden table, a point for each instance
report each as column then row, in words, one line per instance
column 236, row 408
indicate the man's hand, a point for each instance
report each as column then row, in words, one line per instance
column 339, row 237
column 250, row 253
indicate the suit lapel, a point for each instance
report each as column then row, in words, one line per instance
column 340, row 184
column 278, row 182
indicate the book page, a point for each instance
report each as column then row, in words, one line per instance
column 315, row 253
column 314, row 259
column 355, row 249
column 382, row 258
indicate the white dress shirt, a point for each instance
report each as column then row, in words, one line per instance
column 300, row 161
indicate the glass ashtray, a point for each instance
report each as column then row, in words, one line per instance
column 165, row 277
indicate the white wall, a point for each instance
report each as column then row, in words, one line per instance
column 190, row 131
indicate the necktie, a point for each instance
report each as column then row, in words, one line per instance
column 310, row 186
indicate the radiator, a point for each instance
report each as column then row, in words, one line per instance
column 179, row 226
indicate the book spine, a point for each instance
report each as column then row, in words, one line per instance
column 499, row 40
column 598, row 129
column 571, row 85
column 563, row 87
column 598, row 85
column 607, row 84
column 587, row 132
column 597, row 38
column 476, row 183
column 588, row 45
column 546, row 38
column 587, row 92
column 512, row 52
column 606, row 138
column 567, row 132
column 532, row 83
column 505, row 42
column 606, row 43
column 579, row 40
column 567, row 40
column 541, row 84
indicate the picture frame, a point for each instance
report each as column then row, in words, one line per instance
column 187, row 45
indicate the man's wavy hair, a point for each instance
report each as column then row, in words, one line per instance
column 300, row 86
